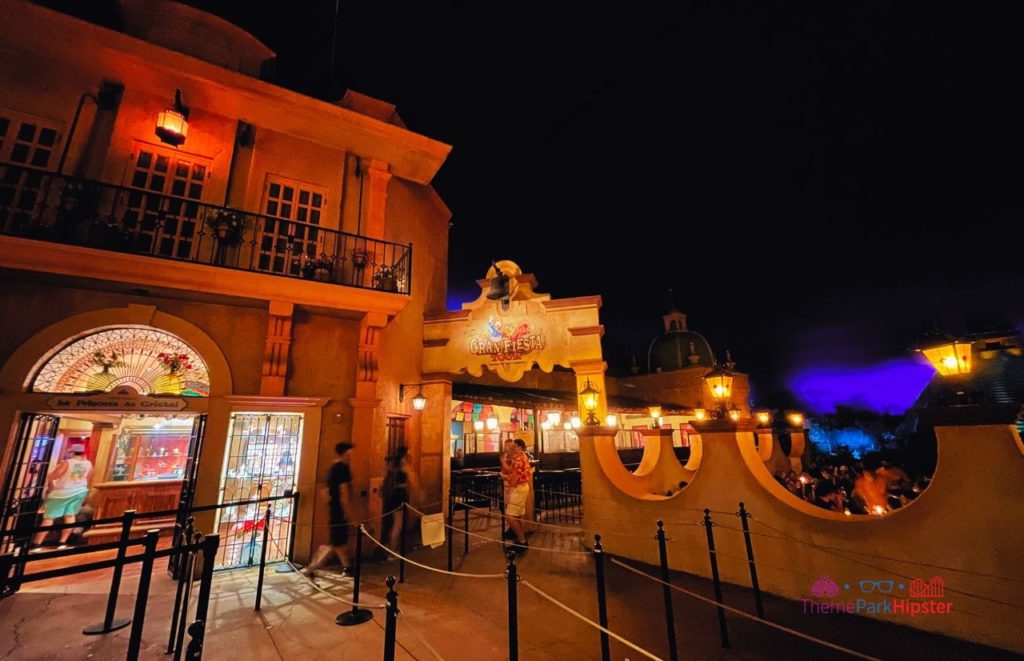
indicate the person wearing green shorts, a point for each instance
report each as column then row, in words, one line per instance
column 68, row 487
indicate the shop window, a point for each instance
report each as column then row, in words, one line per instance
column 150, row 454
column 285, row 245
column 163, row 209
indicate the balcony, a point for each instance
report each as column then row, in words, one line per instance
column 44, row 206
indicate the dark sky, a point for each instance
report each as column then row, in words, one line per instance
column 814, row 182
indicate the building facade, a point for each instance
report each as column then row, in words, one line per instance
column 205, row 278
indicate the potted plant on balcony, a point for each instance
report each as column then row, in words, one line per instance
column 359, row 257
column 384, row 279
column 320, row 268
column 227, row 226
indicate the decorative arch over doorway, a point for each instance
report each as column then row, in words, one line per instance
column 29, row 363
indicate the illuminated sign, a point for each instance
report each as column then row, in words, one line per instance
column 507, row 342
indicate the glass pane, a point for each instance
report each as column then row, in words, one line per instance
column 271, row 208
column 199, row 172
column 139, row 180
column 157, row 183
column 145, row 158
column 181, row 170
column 275, row 190
column 41, row 157
column 178, row 187
column 27, row 132
column 162, row 163
column 4, row 124
column 19, row 154
column 47, row 137
column 289, row 193
column 304, row 197
column 317, row 200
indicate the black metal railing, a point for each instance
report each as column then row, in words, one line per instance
column 558, row 496
column 42, row 205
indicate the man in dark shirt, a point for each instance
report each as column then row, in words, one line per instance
column 339, row 495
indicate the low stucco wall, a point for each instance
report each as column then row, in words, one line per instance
column 969, row 519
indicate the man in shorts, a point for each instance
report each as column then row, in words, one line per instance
column 68, row 487
column 518, row 492
column 339, row 497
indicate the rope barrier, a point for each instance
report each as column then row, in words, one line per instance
column 586, row 619
column 330, row 594
column 463, row 531
column 744, row 614
column 428, row 567
column 839, row 555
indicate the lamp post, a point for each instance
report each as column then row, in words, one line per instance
column 951, row 358
column 719, row 381
column 588, row 396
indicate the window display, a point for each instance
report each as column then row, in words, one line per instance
column 149, row 454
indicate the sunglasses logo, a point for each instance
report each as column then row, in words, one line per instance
column 880, row 586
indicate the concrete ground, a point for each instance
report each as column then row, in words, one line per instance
column 446, row 617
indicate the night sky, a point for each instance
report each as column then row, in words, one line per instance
column 813, row 182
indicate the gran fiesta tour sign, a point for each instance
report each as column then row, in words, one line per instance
column 507, row 341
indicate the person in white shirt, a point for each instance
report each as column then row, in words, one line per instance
column 68, row 487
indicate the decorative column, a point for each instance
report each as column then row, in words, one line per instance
column 435, row 447
column 275, row 355
column 376, row 208
column 364, row 406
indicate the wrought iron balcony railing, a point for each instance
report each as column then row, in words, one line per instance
column 42, row 205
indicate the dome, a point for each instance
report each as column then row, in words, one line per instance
column 677, row 350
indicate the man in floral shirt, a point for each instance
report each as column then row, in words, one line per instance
column 518, row 492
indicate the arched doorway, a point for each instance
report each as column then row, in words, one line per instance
column 120, row 398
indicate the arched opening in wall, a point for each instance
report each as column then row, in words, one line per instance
column 118, row 434
column 128, row 360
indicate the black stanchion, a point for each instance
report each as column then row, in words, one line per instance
column 286, row 567
column 401, row 543
column 6, row 564
column 451, row 528
column 197, row 630
column 722, row 628
column 743, row 514
column 357, row 615
column 183, row 562
column 263, row 557
column 670, row 618
column 186, row 574
column 109, row 623
column 513, row 608
column 465, row 535
column 142, row 594
column 602, row 601
column 391, row 623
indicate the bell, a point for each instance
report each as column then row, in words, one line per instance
column 499, row 287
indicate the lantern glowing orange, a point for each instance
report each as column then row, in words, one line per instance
column 172, row 123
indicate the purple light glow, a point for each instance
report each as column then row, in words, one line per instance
column 889, row 387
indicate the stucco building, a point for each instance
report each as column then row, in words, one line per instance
column 204, row 264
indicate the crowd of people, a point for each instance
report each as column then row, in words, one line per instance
column 871, row 485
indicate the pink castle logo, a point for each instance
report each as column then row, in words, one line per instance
column 825, row 587
column 922, row 589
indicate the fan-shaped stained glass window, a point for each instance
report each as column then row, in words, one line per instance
column 139, row 359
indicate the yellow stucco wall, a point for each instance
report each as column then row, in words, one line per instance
column 966, row 520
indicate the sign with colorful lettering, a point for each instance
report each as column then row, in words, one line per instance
column 507, row 341
column 108, row 402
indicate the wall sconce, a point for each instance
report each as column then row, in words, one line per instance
column 734, row 414
column 419, row 402
column 796, row 419
column 492, row 423
column 949, row 356
column 699, row 413
column 172, row 123
column 764, row 418
column 588, row 395
column 478, row 425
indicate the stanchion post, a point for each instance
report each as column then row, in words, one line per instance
column 197, row 630
column 451, row 528
column 754, row 584
column 187, row 575
column 465, row 536
column 401, row 543
column 670, row 618
column 293, row 516
column 183, row 561
column 722, row 627
column 263, row 557
column 357, row 615
column 391, row 624
column 6, row 564
column 602, row 601
column 513, row 608
column 142, row 594
column 109, row 623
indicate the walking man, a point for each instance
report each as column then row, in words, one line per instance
column 518, row 492
column 339, row 497
column 68, row 487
